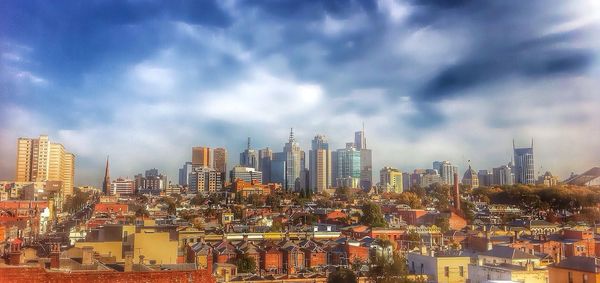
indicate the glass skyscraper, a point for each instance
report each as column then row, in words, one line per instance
column 524, row 169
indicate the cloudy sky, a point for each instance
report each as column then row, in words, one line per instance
column 455, row 80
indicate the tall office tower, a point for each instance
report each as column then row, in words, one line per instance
column 249, row 158
column 446, row 171
column 184, row 174
column 406, row 181
column 39, row 160
column 390, row 180
column 470, row 179
column 294, row 162
column 278, row 168
column 247, row 174
column 319, row 164
column 366, row 159
column 265, row 157
column 205, row 180
column 334, row 168
column 503, row 175
column 524, row 169
column 106, row 189
column 201, row 157
column 348, row 167
column 220, row 161
column 485, row 178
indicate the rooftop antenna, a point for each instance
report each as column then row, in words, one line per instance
column 291, row 134
column 248, row 146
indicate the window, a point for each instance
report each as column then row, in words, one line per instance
column 447, row 271
column 461, row 271
column 584, row 278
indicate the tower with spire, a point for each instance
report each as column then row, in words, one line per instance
column 106, row 182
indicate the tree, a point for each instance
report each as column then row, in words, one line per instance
column 372, row 216
column 342, row 275
column 414, row 240
column 443, row 223
column 245, row 264
column 276, row 227
column 386, row 270
column 411, row 199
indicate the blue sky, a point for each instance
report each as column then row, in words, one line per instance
column 144, row 81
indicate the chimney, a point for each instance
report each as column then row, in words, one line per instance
column 128, row 262
column 456, row 193
column 15, row 253
column 55, row 255
column 87, row 255
column 141, row 259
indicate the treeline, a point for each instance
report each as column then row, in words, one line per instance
column 568, row 198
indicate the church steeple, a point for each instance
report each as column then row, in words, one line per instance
column 106, row 182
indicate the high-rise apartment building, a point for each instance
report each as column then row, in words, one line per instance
column 319, row 164
column 524, row 169
column 205, row 180
column 446, row 171
column 39, row 160
column 265, row 157
column 366, row 160
column 201, row 157
column 220, row 161
column 390, row 180
column 348, row 166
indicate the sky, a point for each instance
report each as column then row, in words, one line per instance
column 143, row 81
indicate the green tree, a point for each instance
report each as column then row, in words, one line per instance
column 342, row 275
column 411, row 199
column 443, row 223
column 276, row 227
column 414, row 239
column 372, row 216
column 245, row 264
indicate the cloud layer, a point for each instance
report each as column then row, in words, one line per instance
column 458, row 80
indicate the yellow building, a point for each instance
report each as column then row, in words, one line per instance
column 155, row 247
column 113, row 248
column 441, row 267
column 390, row 180
column 481, row 273
column 39, row 160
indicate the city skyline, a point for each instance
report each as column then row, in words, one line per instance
column 144, row 83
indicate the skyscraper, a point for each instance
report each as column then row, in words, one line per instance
column 265, row 157
column 446, row 171
column 247, row 174
column 106, row 186
column 366, row 159
column 390, row 180
column 294, row 162
column 220, row 161
column 503, row 175
column 348, row 166
column 201, row 157
column 249, row 158
column 319, row 164
column 205, row 180
column 184, row 174
column 524, row 169
column 39, row 160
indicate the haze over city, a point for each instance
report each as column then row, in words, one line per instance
column 431, row 80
